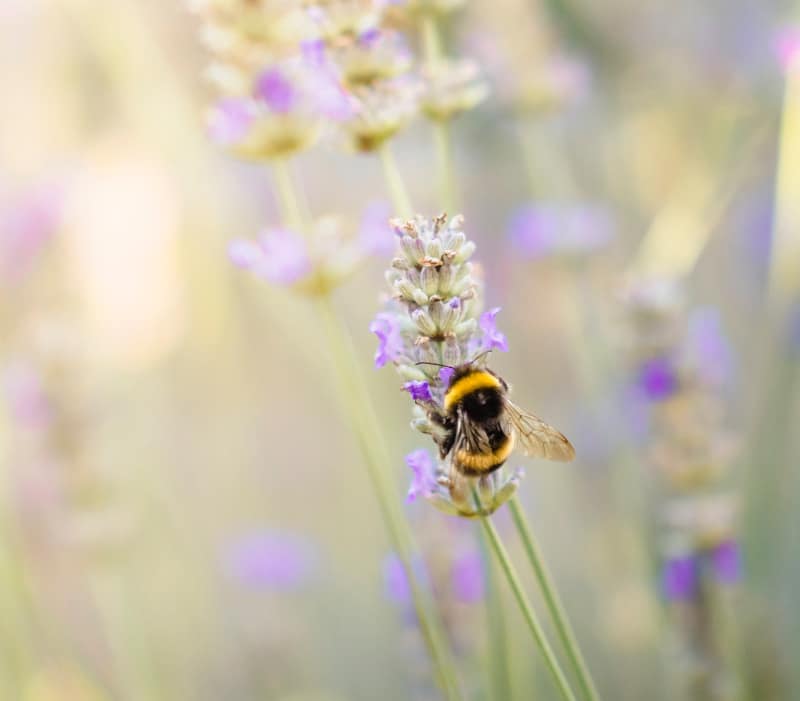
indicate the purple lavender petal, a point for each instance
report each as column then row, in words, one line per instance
column 787, row 46
column 272, row 560
column 422, row 465
column 26, row 227
column 709, row 350
column 679, row 578
column 727, row 562
column 274, row 89
column 230, row 121
column 390, row 343
column 419, row 391
column 244, row 254
column 284, row 259
column 375, row 236
column 445, row 375
column 468, row 577
column 492, row 338
column 27, row 400
column 658, row 379
column 396, row 584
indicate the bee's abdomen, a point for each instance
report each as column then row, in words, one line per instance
column 476, row 464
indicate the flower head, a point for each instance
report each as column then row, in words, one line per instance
column 558, row 230
column 279, row 256
column 435, row 319
column 468, row 577
column 271, row 560
column 658, row 378
column 679, row 578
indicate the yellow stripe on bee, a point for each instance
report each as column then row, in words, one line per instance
column 481, row 462
column 469, row 383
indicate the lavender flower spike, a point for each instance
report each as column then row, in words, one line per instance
column 435, row 317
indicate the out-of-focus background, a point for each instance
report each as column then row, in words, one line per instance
column 185, row 512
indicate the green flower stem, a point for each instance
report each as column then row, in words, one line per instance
column 527, row 611
column 287, row 195
column 553, row 601
column 498, row 654
column 394, row 183
column 434, row 52
column 445, row 168
column 361, row 415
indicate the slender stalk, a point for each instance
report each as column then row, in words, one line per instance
column 394, row 182
column 361, row 415
column 553, row 601
column 431, row 41
column 528, row 613
column 445, row 167
column 499, row 673
column 784, row 274
column 291, row 212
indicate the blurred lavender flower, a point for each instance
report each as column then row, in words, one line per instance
column 679, row 578
column 424, row 479
column 28, row 403
column 450, row 88
column 27, row 224
column 396, row 585
column 468, row 577
column 272, row 560
column 279, row 256
column 435, row 318
column 787, row 46
column 546, row 229
column 726, row 561
column 658, row 379
column 375, row 235
column 708, row 351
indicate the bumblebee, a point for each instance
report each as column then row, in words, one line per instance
column 481, row 426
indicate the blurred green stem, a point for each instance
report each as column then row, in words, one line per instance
column 527, row 610
column 445, row 166
column 287, row 195
column 361, row 415
column 553, row 601
column 395, row 183
column 499, row 659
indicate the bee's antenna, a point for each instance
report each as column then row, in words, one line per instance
column 438, row 365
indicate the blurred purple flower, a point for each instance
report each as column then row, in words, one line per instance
column 424, row 474
column 419, row 391
column 27, row 224
column 273, row 88
column 390, row 343
column 787, row 46
column 375, row 236
column 27, row 400
column 272, row 560
column 679, row 578
column 709, row 351
column 230, row 120
column 541, row 230
column 658, row 379
column 280, row 256
column 489, row 338
column 727, row 562
column 396, row 584
column 468, row 577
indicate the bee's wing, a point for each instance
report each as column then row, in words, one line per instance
column 535, row 437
